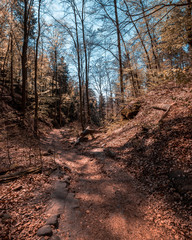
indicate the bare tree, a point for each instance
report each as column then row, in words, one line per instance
column 36, row 71
column 26, row 29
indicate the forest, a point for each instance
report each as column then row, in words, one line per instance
column 82, row 60
column 95, row 119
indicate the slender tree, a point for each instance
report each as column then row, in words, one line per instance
column 36, row 70
column 119, row 51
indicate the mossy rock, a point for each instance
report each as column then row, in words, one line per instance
column 131, row 110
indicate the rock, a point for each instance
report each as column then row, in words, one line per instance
column 1, row 214
column 53, row 220
column 97, row 152
column 18, row 188
column 61, row 190
column 131, row 110
column 181, row 181
column 57, row 173
column 71, row 195
column 109, row 153
column 66, row 178
column 45, row 231
column 176, row 174
column 67, row 169
column 6, row 216
column 48, row 153
column 74, row 203
column 55, row 238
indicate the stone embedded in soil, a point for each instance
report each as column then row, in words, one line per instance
column 97, row 152
column 66, row 168
column 55, row 238
column 66, row 178
column 18, row 188
column 6, row 216
column 45, row 231
column 53, row 220
column 74, row 203
column 60, row 191
column 181, row 181
column 57, row 173
column 71, row 195
column 48, row 153
column 109, row 153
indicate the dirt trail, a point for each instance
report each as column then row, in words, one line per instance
column 111, row 203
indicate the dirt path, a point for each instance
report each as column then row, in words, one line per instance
column 111, row 203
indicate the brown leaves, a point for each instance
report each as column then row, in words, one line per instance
column 25, row 205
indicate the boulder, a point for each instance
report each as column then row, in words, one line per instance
column 53, row 220
column 131, row 110
column 55, row 238
column 182, row 181
column 45, row 231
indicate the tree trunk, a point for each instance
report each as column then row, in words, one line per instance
column 140, row 38
column 55, row 67
column 11, row 67
column 36, row 72
column 79, row 69
column 189, row 28
column 157, row 64
column 86, row 63
column 24, row 57
column 12, row 94
column 119, row 52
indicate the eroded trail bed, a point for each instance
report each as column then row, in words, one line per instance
column 112, row 204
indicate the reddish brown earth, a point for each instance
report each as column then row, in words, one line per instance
column 133, row 181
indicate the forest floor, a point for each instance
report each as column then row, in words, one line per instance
column 132, row 181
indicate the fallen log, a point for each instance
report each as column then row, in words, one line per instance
column 166, row 113
column 16, row 175
column 163, row 107
column 159, row 108
column 86, row 132
column 6, row 170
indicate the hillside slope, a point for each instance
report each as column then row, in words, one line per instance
column 156, row 148
column 134, row 176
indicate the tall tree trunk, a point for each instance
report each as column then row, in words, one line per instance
column 189, row 28
column 79, row 68
column 36, row 72
column 55, row 67
column 58, row 104
column 119, row 52
column 157, row 63
column 86, row 63
column 140, row 37
column 111, row 93
column 12, row 94
column 24, row 56
column 11, row 67
column 60, row 100
column 132, row 80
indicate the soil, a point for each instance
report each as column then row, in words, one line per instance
column 113, row 204
column 129, row 182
